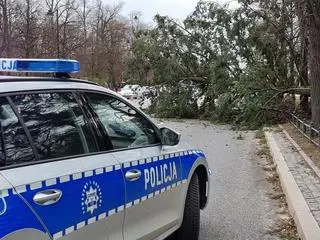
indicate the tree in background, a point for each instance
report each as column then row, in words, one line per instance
column 313, row 11
column 90, row 31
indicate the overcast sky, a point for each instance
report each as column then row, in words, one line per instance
column 178, row 9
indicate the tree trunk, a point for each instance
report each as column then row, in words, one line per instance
column 5, row 21
column 303, row 62
column 28, row 37
column 314, row 47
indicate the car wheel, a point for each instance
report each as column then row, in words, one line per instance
column 191, row 217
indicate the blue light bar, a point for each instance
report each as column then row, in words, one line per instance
column 39, row 65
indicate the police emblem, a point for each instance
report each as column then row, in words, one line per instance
column 91, row 197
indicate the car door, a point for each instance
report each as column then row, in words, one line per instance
column 54, row 160
column 154, row 193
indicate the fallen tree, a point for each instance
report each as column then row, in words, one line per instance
column 240, row 65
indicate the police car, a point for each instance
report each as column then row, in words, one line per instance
column 78, row 162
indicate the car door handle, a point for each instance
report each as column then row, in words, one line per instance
column 133, row 175
column 47, row 197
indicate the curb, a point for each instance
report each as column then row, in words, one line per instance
column 307, row 226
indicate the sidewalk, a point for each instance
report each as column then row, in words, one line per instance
column 300, row 183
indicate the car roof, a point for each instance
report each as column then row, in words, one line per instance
column 17, row 84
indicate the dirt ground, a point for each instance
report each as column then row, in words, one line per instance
column 306, row 145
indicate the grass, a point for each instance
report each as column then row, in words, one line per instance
column 260, row 133
column 287, row 237
column 284, row 229
column 264, row 149
column 306, row 145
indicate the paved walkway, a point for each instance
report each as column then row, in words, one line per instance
column 239, row 206
column 305, row 177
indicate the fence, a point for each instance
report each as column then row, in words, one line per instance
column 306, row 129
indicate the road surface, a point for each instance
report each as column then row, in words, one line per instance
column 239, row 206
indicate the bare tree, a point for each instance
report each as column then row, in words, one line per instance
column 101, row 37
column 301, row 9
column 27, row 24
column 6, row 7
column 88, row 30
column 314, row 39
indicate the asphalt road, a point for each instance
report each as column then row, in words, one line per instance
column 239, row 206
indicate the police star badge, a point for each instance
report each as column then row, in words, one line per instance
column 91, row 197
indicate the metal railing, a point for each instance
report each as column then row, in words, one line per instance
column 306, row 129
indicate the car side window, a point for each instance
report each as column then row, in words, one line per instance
column 15, row 146
column 125, row 127
column 56, row 125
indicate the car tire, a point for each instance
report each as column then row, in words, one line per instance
column 191, row 217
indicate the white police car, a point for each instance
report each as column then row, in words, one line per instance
column 79, row 162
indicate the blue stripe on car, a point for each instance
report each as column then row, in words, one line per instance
column 104, row 186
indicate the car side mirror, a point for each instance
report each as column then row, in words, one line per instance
column 169, row 136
